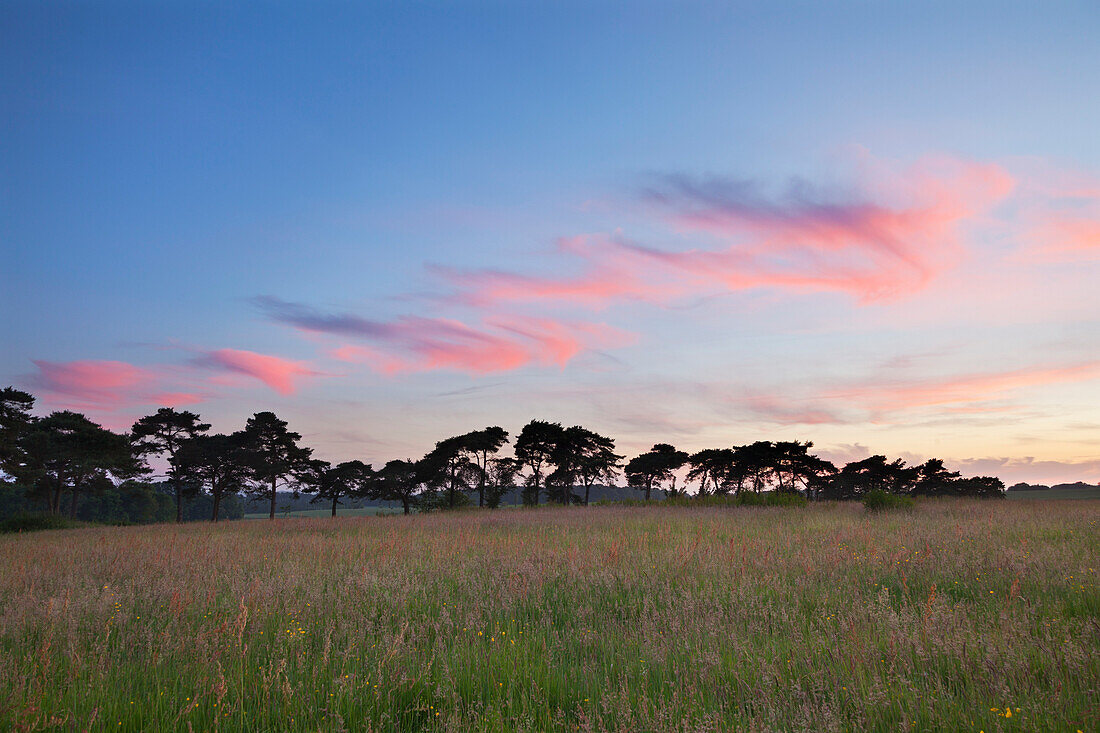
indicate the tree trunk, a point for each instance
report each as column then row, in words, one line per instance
column 648, row 487
column 179, row 502
column 272, row 514
column 405, row 505
column 481, row 479
column 56, row 507
column 334, row 505
column 217, row 504
column 586, row 489
column 72, row 509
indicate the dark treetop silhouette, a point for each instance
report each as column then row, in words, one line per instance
column 54, row 460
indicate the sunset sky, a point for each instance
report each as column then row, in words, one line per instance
column 873, row 225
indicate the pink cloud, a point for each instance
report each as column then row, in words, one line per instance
column 417, row 343
column 890, row 240
column 883, row 398
column 1059, row 216
column 176, row 399
column 784, row 412
column 1030, row 469
column 961, row 390
column 558, row 342
column 277, row 373
column 1061, row 237
column 105, row 385
column 610, row 273
column 495, row 345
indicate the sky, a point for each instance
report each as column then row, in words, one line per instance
column 872, row 225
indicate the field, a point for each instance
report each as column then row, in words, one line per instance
column 959, row 615
column 1089, row 493
column 366, row 511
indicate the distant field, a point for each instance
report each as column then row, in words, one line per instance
column 1089, row 493
column 957, row 616
column 369, row 511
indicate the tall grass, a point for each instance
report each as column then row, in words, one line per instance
column 607, row 618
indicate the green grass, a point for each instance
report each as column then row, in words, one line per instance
column 367, row 511
column 823, row 618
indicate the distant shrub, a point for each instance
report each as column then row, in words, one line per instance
column 878, row 500
column 625, row 502
column 772, row 498
column 710, row 500
column 786, row 498
column 35, row 523
column 674, row 501
column 766, row 498
column 439, row 501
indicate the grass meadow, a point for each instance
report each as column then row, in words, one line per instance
column 366, row 511
column 958, row 615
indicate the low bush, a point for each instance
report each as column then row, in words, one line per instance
column 35, row 523
column 786, row 498
column 710, row 500
column 878, row 501
column 766, row 498
column 771, row 498
column 626, row 502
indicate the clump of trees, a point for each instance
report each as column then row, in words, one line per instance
column 63, row 459
column 791, row 467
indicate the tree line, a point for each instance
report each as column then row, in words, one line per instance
column 65, row 455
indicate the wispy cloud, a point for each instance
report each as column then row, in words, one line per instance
column 885, row 397
column 103, row 385
column 281, row 375
column 959, row 392
column 1064, row 235
column 417, row 343
column 885, row 237
column 775, row 409
column 107, row 386
column 1032, row 469
column 1058, row 215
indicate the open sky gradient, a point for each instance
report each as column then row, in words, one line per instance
column 871, row 225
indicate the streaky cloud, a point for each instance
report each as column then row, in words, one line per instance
column 281, row 375
column 104, row 385
column 883, row 239
column 412, row 343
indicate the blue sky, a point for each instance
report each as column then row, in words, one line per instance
column 818, row 209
